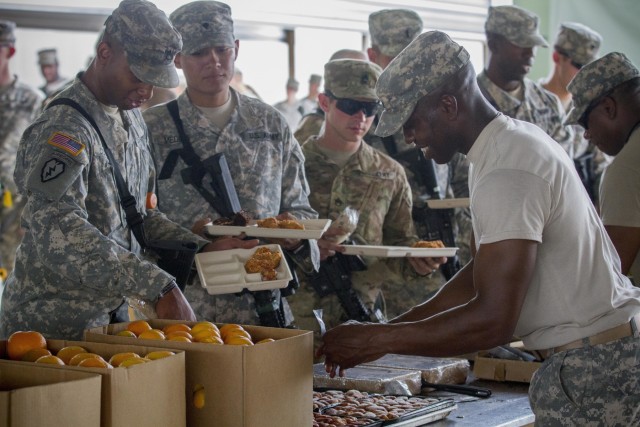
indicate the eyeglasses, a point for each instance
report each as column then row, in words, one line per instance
column 351, row 106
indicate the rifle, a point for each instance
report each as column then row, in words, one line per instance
column 334, row 277
column 438, row 222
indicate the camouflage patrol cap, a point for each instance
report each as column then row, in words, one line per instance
column 351, row 78
column 597, row 79
column 579, row 42
column 425, row 65
column 292, row 84
column 204, row 24
column 315, row 79
column 6, row 32
column 517, row 25
column 47, row 57
column 393, row 29
column 148, row 39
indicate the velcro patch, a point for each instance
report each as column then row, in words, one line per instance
column 52, row 169
column 66, row 143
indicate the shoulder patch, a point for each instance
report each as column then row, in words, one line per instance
column 52, row 169
column 66, row 143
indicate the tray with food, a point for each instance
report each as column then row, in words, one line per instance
column 362, row 408
column 273, row 228
column 422, row 248
column 231, row 271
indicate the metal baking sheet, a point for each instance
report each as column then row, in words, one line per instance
column 398, row 251
column 222, row 272
column 462, row 202
column 313, row 229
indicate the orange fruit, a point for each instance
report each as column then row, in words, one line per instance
column 95, row 362
column 66, row 353
column 179, row 339
column 34, row 354
column 214, row 339
column 75, row 360
column 204, row 325
column 265, row 340
column 127, row 333
column 50, row 359
column 178, row 334
column 138, row 326
column 133, row 361
column 118, row 358
column 152, row 334
column 176, row 327
column 239, row 340
column 198, row 396
column 204, row 334
column 159, row 354
column 237, row 333
column 19, row 343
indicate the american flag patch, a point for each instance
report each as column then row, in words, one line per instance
column 66, row 143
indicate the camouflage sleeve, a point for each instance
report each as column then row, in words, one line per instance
column 295, row 188
column 564, row 135
column 75, row 241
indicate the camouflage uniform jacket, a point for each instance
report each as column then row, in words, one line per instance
column 376, row 186
column 539, row 107
column 265, row 161
column 19, row 106
column 78, row 257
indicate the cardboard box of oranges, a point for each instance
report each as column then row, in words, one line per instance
column 262, row 377
column 34, row 395
column 149, row 394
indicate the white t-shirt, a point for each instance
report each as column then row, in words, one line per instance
column 620, row 191
column 523, row 186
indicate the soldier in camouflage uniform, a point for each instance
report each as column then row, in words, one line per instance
column 512, row 37
column 576, row 45
column 612, row 83
column 534, row 231
column 266, row 163
column 391, row 30
column 19, row 105
column 78, row 259
column 311, row 123
column 345, row 172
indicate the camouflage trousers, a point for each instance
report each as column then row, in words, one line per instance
column 590, row 386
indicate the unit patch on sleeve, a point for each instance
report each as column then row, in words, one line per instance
column 52, row 169
column 66, row 143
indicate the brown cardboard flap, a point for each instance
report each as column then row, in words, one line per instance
column 494, row 369
column 34, row 395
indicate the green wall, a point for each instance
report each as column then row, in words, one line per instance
column 615, row 20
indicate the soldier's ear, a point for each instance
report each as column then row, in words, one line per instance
column 12, row 51
column 324, row 101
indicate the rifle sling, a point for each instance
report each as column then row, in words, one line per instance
column 190, row 158
column 127, row 201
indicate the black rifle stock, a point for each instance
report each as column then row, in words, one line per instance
column 175, row 257
column 334, row 276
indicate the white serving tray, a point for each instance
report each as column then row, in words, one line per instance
column 462, row 202
column 398, row 251
column 314, row 229
column 222, row 272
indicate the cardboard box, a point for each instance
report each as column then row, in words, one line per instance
column 264, row 385
column 149, row 394
column 34, row 395
column 491, row 368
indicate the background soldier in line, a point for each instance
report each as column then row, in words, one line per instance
column 19, row 105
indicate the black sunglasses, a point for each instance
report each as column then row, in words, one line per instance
column 351, row 106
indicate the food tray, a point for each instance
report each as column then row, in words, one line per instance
column 398, row 251
column 313, row 229
column 222, row 272
column 462, row 202
column 377, row 410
